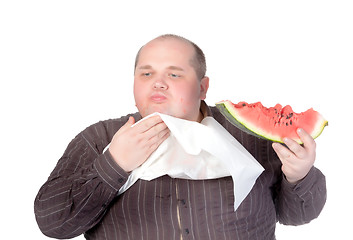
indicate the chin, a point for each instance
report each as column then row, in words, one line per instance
column 149, row 111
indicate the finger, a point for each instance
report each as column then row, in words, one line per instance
column 158, row 141
column 131, row 120
column 307, row 139
column 128, row 123
column 156, row 131
column 296, row 148
column 283, row 153
column 148, row 123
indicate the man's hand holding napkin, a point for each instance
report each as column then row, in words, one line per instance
column 131, row 146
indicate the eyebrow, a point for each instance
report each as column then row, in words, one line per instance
column 175, row 68
column 145, row 67
column 170, row 67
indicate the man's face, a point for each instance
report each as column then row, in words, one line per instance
column 165, row 81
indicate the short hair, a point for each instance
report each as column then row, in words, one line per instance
column 198, row 62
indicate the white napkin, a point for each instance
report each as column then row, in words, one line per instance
column 199, row 151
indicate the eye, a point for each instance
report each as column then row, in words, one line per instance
column 174, row 75
column 147, row 74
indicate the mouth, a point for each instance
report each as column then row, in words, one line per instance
column 158, row 98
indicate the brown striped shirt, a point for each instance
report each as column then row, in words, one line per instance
column 80, row 196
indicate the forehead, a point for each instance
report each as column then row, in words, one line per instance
column 166, row 49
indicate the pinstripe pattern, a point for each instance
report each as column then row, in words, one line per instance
column 80, row 196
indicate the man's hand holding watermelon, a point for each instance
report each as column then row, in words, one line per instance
column 297, row 159
column 280, row 125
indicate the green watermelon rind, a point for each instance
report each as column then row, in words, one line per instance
column 319, row 127
column 234, row 120
column 222, row 107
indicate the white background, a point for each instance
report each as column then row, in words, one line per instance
column 67, row 64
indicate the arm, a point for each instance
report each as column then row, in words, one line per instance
column 302, row 193
column 302, row 202
column 85, row 180
column 83, row 183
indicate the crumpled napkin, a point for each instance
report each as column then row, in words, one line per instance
column 199, row 151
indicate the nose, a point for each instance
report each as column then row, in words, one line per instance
column 160, row 84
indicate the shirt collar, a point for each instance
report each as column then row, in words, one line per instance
column 205, row 109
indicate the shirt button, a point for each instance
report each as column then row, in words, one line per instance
column 187, row 231
column 120, row 180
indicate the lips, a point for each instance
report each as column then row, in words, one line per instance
column 158, row 97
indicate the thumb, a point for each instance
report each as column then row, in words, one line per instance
column 280, row 151
column 130, row 122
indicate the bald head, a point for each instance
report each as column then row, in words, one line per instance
column 197, row 61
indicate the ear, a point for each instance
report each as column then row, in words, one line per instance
column 204, row 87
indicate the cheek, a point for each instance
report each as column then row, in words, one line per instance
column 188, row 98
column 139, row 93
column 188, row 94
column 140, row 102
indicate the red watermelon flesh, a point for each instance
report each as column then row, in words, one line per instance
column 274, row 123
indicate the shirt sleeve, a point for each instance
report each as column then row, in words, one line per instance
column 80, row 188
column 302, row 202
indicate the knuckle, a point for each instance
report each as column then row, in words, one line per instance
column 146, row 124
column 156, row 129
column 163, row 135
column 160, row 127
column 160, row 134
column 139, row 140
column 153, row 147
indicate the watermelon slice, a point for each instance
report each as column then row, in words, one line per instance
column 274, row 123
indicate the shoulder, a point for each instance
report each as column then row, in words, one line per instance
column 234, row 131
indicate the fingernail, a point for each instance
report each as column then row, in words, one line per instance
column 299, row 130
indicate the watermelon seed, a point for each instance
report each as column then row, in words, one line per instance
column 286, row 124
column 290, row 115
column 290, row 122
column 244, row 104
